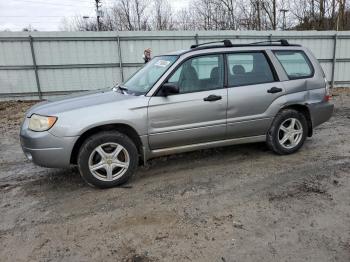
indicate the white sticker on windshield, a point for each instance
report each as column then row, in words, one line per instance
column 162, row 63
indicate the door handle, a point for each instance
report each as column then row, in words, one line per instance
column 212, row 98
column 274, row 90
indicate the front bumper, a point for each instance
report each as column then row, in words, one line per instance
column 45, row 149
column 320, row 112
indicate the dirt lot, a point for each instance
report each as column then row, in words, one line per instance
column 239, row 203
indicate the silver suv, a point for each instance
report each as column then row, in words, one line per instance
column 213, row 94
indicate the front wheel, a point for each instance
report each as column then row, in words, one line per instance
column 287, row 132
column 107, row 159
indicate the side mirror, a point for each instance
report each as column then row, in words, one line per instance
column 169, row 89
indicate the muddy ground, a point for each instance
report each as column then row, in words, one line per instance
column 238, row 203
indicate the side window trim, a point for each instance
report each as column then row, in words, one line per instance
column 311, row 66
column 226, row 72
column 272, row 68
column 156, row 93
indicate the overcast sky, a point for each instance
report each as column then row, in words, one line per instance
column 46, row 15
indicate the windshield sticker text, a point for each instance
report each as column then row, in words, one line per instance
column 162, row 63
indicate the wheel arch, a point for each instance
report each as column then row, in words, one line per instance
column 305, row 111
column 122, row 128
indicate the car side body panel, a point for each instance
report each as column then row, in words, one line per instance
column 186, row 119
column 178, row 123
column 248, row 111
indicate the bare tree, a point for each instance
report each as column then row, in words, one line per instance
column 185, row 20
column 29, row 28
column 215, row 14
column 219, row 15
column 78, row 23
column 203, row 11
column 125, row 15
column 270, row 9
column 140, row 7
column 230, row 6
column 163, row 18
column 333, row 16
column 342, row 14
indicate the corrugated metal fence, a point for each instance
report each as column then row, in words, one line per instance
column 39, row 64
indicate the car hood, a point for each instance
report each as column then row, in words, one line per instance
column 77, row 101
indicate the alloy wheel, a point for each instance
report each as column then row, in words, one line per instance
column 290, row 133
column 109, row 161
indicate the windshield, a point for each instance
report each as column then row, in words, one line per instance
column 144, row 79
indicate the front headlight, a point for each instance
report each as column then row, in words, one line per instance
column 41, row 123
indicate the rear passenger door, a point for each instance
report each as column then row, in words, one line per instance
column 252, row 87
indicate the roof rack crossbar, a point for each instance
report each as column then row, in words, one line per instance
column 227, row 43
column 283, row 42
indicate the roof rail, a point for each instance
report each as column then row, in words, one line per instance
column 227, row 43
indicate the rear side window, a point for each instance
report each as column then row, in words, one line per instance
column 295, row 63
column 248, row 69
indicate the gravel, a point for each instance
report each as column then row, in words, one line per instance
column 237, row 203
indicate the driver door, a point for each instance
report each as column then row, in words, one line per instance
column 198, row 113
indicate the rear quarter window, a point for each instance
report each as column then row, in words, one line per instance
column 295, row 63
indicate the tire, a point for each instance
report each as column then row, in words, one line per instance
column 281, row 138
column 107, row 159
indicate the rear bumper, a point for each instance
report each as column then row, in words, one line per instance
column 45, row 149
column 320, row 112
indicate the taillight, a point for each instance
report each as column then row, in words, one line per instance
column 327, row 95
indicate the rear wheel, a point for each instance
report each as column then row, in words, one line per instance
column 288, row 132
column 107, row 159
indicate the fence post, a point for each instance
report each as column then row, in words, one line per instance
column 196, row 38
column 334, row 60
column 270, row 38
column 120, row 59
column 35, row 67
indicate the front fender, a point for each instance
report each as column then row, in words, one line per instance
column 78, row 121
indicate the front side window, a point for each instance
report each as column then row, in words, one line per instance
column 199, row 74
column 295, row 64
column 248, row 69
column 144, row 79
